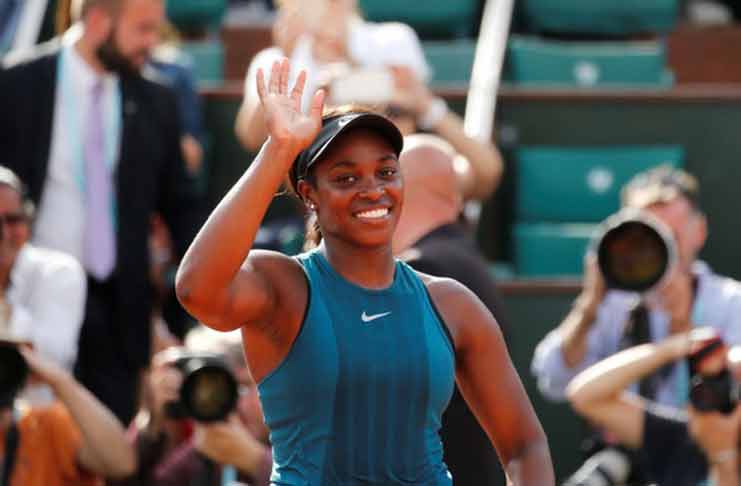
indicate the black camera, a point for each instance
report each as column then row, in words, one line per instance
column 209, row 390
column 635, row 251
column 718, row 392
column 13, row 373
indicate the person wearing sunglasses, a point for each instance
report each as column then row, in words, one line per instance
column 42, row 291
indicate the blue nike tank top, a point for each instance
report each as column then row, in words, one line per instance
column 358, row 398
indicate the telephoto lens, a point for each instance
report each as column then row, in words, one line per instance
column 209, row 390
column 635, row 251
column 13, row 373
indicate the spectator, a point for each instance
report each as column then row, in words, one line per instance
column 677, row 449
column 71, row 442
column 431, row 238
column 319, row 36
column 174, row 68
column 413, row 108
column 602, row 321
column 179, row 451
column 99, row 147
column 42, row 292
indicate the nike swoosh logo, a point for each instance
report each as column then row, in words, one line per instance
column 344, row 121
column 368, row 318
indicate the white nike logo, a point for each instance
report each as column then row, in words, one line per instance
column 345, row 120
column 366, row 318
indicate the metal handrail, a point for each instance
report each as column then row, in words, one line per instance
column 487, row 69
column 486, row 74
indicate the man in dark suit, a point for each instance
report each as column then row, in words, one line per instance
column 98, row 146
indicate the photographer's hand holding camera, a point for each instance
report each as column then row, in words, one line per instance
column 191, row 424
column 70, row 442
column 643, row 282
column 677, row 449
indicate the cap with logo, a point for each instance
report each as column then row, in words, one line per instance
column 332, row 128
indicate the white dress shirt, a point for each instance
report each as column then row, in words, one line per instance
column 717, row 305
column 47, row 299
column 60, row 220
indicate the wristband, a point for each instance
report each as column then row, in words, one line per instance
column 434, row 114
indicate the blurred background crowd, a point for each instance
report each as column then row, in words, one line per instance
column 532, row 128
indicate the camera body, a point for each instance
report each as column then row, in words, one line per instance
column 635, row 251
column 715, row 392
column 209, row 390
column 13, row 372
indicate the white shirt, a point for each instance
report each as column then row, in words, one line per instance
column 60, row 220
column 47, row 299
column 369, row 44
column 717, row 305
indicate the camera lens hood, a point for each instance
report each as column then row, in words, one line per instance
column 209, row 391
column 635, row 251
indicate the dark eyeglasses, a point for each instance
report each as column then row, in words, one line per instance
column 12, row 219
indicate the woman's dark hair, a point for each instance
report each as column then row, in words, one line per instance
column 313, row 232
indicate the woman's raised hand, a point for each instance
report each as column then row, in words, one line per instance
column 285, row 121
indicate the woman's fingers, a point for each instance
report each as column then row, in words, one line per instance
column 285, row 68
column 317, row 106
column 274, row 83
column 261, row 90
column 298, row 89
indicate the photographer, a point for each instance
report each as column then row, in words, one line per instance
column 42, row 292
column 602, row 321
column 70, row 442
column 173, row 446
column 677, row 449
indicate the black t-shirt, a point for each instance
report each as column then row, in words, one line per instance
column 669, row 454
column 448, row 252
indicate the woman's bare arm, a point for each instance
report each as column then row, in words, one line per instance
column 491, row 387
column 217, row 282
column 598, row 393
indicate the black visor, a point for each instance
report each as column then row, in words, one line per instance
column 334, row 126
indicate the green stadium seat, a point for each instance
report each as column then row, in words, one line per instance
column 189, row 15
column 208, row 60
column 534, row 61
column 609, row 17
column 567, row 184
column 550, row 249
column 451, row 61
column 431, row 18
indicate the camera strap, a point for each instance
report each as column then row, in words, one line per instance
column 12, row 438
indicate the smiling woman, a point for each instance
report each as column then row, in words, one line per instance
column 355, row 353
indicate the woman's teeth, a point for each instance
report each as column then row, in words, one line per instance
column 373, row 214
